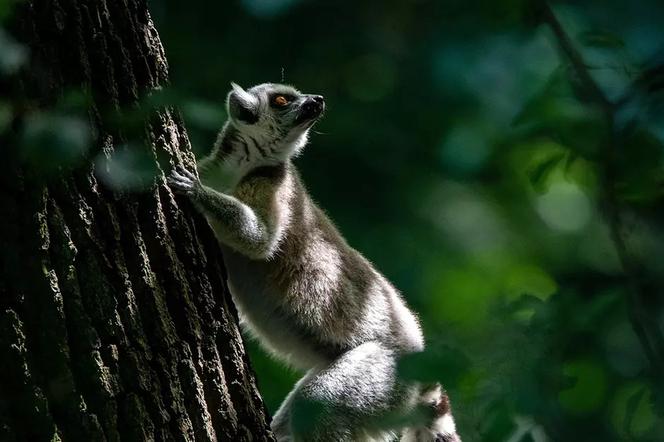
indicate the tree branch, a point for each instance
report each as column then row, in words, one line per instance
column 645, row 327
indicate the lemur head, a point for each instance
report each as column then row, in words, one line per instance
column 276, row 116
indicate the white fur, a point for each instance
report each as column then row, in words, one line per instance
column 247, row 98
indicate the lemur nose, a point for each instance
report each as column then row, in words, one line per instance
column 313, row 106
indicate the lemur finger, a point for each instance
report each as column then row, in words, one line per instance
column 176, row 175
column 174, row 180
column 182, row 179
column 185, row 190
column 187, row 174
column 180, row 184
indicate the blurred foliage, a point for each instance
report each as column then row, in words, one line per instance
column 463, row 154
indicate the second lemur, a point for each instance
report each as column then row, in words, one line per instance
column 301, row 290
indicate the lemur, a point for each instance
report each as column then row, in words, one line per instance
column 308, row 296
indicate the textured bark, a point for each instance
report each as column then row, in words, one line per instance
column 115, row 321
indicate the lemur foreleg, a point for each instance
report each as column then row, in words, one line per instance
column 235, row 223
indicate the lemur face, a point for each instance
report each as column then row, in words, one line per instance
column 274, row 114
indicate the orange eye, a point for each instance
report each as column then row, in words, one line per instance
column 280, row 100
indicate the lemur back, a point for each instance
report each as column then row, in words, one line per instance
column 309, row 298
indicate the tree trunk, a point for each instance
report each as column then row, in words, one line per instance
column 115, row 320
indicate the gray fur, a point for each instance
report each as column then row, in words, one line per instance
column 309, row 298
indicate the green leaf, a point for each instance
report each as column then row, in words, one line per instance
column 540, row 104
column 588, row 387
column 633, row 415
column 539, row 174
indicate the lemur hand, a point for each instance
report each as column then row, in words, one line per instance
column 183, row 181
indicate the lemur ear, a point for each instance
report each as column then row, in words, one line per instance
column 242, row 106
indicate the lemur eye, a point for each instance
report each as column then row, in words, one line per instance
column 280, row 100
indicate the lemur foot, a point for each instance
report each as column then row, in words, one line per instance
column 183, row 181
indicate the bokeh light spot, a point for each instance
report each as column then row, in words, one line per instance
column 12, row 54
column 51, row 141
column 464, row 150
column 127, row 168
column 564, row 207
column 203, row 114
column 467, row 218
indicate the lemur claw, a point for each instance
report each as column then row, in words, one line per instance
column 182, row 181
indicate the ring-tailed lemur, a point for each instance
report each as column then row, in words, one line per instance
column 301, row 289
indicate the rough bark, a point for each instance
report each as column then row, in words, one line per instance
column 115, row 321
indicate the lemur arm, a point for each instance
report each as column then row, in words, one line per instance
column 247, row 229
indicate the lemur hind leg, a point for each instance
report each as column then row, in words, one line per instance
column 343, row 401
column 358, row 398
column 281, row 422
